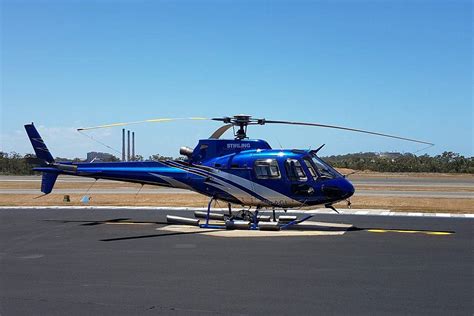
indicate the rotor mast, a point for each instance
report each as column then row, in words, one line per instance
column 241, row 121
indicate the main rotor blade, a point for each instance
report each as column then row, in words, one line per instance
column 157, row 120
column 348, row 129
column 220, row 131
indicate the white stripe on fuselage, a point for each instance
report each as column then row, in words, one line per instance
column 272, row 196
column 173, row 182
column 239, row 194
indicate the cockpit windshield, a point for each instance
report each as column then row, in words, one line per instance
column 324, row 170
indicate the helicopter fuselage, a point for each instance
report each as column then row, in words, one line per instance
column 246, row 172
column 242, row 171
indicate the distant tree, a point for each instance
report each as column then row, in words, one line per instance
column 111, row 158
column 448, row 162
column 158, row 157
column 14, row 163
column 138, row 158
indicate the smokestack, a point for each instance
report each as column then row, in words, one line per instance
column 133, row 145
column 123, row 144
column 128, row 145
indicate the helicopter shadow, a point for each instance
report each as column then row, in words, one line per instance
column 300, row 227
column 127, row 221
column 104, row 222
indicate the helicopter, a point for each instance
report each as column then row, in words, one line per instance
column 239, row 171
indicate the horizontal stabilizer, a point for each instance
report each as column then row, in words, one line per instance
column 48, row 181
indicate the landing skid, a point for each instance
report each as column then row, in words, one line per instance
column 243, row 219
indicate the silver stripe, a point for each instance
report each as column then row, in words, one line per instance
column 267, row 193
column 173, row 182
column 239, row 194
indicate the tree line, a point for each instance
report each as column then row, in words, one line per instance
column 448, row 162
column 15, row 164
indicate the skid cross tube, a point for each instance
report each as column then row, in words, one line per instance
column 255, row 220
column 298, row 221
column 209, row 210
column 206, row 225
column 229, row 206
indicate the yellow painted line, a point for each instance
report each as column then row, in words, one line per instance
column 409, row 232
column 439, row 233
column 377, row 230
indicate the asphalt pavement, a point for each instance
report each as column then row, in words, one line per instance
column 116, row 262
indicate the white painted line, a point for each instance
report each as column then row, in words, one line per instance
column 322, row 211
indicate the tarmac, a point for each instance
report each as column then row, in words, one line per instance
column 123, row 261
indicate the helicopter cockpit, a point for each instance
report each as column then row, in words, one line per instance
column 295, row 166
column 323, row 169
column 317, row 169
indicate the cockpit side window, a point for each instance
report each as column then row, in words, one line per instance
column 310, row 167
column 324, row 170
column 294, row 170
column 267, row 169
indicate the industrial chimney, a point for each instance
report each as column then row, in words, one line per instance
column 128, row 145
column 133, row 146
column 123, row 144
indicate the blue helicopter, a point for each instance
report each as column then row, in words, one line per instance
column 238, row 171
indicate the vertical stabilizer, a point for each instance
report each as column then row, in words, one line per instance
column 48, row 181
column 39, row 146
column 50, row 174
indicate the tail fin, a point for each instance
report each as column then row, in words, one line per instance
column 39, row 146
column 42, row 153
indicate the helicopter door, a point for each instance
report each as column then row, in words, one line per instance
column 240, row 175
column 297, row 177
column 266, row 171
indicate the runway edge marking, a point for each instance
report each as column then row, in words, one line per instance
column 357, row 212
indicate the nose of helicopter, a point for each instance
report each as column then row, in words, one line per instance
column 338, row 189
column 347, row 188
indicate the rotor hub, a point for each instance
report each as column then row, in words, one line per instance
column 240, row 121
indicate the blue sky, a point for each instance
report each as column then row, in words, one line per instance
column 399, row 67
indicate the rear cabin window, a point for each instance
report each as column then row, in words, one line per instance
column 267, row 169
column 294, row 170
